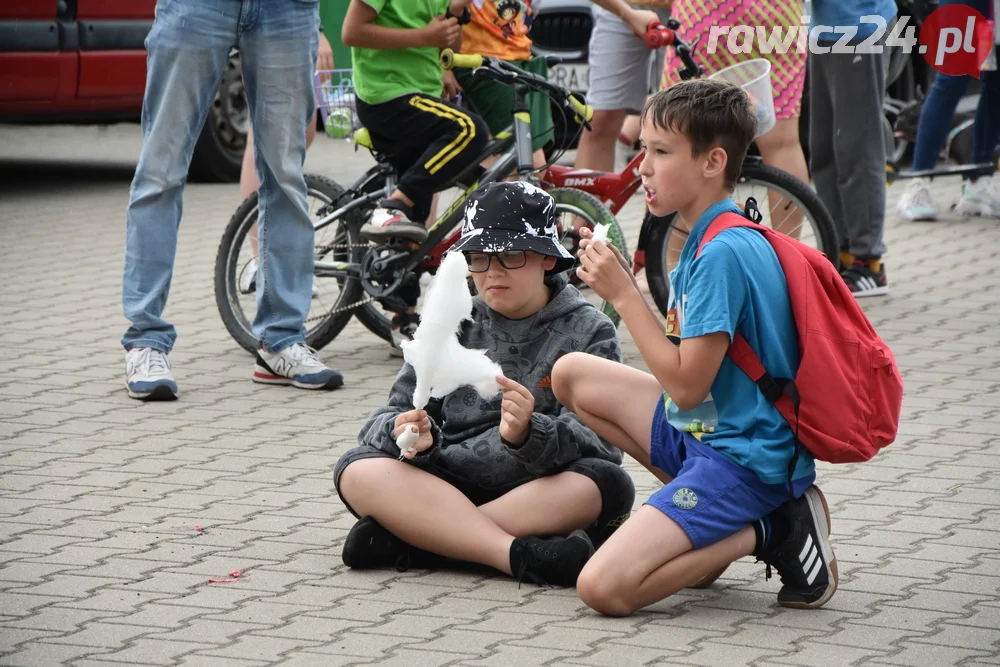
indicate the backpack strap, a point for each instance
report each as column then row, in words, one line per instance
column 775, row 390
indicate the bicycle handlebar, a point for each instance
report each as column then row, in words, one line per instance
column 659, row 35
column 510, row 74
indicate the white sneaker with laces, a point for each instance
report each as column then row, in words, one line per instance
column 917, row 202
column 980, row 197
column 248, row 279
column 296, row 365
column 147, row 375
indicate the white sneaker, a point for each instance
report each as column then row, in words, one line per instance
column 391, row 219
column 917, row 203
column 248, row 279
column 147, row 375
column 295, row 365
column 980, row 197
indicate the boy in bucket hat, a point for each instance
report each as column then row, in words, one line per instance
column 517, row 483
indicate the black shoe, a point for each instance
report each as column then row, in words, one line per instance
column 393, row 220
column 804, row 559
column 369, row 546
column 556, row 561
column 863, row 281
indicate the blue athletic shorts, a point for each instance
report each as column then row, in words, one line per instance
column 710, row 496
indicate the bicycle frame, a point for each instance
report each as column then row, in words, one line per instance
column 513, row 147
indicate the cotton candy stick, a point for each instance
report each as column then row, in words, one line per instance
column 406, row 440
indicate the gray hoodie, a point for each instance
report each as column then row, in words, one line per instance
column 466, row 428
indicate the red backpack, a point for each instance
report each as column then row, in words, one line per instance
column 845, row 399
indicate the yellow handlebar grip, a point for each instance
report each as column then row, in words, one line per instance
column 584, row 111
column 451, row 60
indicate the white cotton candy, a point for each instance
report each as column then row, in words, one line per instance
column 601, row 232
column 441, row 363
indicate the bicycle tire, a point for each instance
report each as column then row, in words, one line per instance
column 226, row 290
column 375, row 320
column 660, row 230
column 596, row 213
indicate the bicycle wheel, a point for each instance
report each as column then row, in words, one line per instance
column 570, row 204
column 236, row 262
column 787, row 204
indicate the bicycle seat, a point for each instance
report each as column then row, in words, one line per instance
column 364, row 139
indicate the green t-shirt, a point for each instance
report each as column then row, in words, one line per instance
column 381, row 75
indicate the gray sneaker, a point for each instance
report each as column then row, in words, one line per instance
column 147, row 375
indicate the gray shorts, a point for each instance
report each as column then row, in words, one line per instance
column 623, row 71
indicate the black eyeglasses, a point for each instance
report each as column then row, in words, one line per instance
column 479, row 262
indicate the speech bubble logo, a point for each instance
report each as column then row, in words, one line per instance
column 956, row 40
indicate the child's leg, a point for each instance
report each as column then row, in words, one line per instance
column 570, row 502
column 590, row 494
column 650, row 558
column 432, row 141
column 424, row 511
column 616, row 401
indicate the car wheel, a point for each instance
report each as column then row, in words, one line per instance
column 218, row 154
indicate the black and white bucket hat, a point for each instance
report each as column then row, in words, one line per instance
column 513, row 215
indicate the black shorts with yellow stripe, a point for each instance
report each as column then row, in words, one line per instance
column 427, row 140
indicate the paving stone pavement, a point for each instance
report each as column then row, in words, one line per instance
column 99, row 494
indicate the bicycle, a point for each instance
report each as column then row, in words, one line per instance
column 367, row 279
column 661, row 239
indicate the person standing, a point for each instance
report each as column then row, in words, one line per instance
column 188, row 48
column 846, row 139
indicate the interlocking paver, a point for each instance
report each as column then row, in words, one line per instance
column 99, row 564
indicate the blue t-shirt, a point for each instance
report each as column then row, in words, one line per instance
column 737, row 285
column 843, row 13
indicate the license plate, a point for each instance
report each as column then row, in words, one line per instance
column 571, row 77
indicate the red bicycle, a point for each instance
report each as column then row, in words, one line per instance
column 791, row 205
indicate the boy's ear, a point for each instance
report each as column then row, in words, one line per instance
column 715, row 162
column 548, row 263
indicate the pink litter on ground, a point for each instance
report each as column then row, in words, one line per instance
column 233, row 576
column 198, row 528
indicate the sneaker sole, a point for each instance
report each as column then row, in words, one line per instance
column 158, row 394
column 262, row 376
column 878, row 291
column 821, row 519
column 372, row 233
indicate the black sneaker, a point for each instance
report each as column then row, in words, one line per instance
column 369, row 546
column 862, row 281
column 393, row 220
column 555, row 561
column 404, row 326
column 804, row 559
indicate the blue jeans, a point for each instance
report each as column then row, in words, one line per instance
column 188, row 47
column 939, row 108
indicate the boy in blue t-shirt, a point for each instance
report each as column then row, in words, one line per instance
column 726, row 495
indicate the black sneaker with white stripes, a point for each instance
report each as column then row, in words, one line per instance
column 804, row 558
column 864, row 281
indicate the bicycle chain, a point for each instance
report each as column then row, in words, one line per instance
column 351, row 306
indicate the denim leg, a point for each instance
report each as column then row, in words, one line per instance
column 986, row 134
column 188, row 47
column 935, row 118
column 279, row 55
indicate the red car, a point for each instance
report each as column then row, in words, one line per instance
column 84, row 61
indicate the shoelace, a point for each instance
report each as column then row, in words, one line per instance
column 920, row 195
column 154, row 362
column 303, row 354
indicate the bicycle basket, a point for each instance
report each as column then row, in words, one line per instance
column 754, row 76
column 335, row 100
